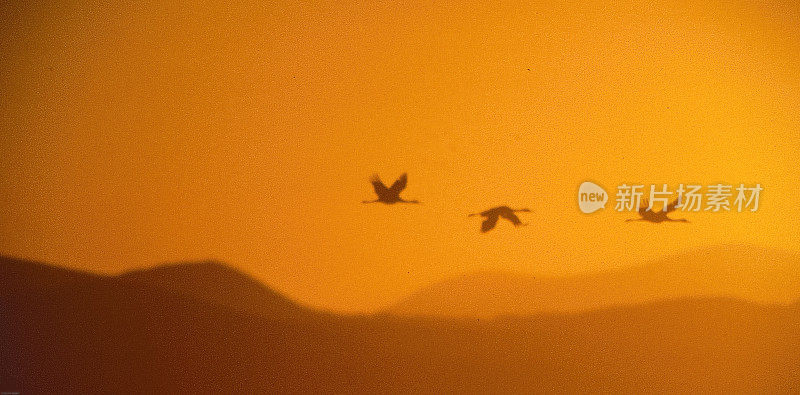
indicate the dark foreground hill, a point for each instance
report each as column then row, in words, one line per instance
column 743, row 272
column 71, row 332
column 211, row 282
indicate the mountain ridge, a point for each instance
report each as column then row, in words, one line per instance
column 215, row 282
column 65, row 331
column 768, row 276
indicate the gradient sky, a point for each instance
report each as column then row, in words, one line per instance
column 153, row 133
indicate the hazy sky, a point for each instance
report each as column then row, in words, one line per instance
column 153, row 132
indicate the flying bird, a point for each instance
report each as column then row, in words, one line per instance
column 390, row 195
column 657, row 217
column 491, row 215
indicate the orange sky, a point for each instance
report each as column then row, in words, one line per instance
column 153, row 133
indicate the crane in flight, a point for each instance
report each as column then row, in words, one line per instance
column 390, row 195
column 493, row 214
column 648, row 215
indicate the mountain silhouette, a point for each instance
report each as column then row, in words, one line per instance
column 754, row 274
column 66, row 331
column 215, row 283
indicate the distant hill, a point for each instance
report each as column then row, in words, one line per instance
column 754, row 274
column 215, row 283
column 64, row 331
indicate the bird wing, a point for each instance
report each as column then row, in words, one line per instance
column 643, row 205
column 377, row 184
column 400, row 184
column 509, row 215
column 488, row 224
column 673, row 206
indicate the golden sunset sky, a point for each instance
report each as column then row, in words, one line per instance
column 145, row 133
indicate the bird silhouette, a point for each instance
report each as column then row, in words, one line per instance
column 390, row 195
column 493, row 214
column 658, row 217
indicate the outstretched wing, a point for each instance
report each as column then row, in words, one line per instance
column 673, row 206
column 400, row 184
column 509, row 215
column 488, row 224
column 377, row 184
column 643, row 205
